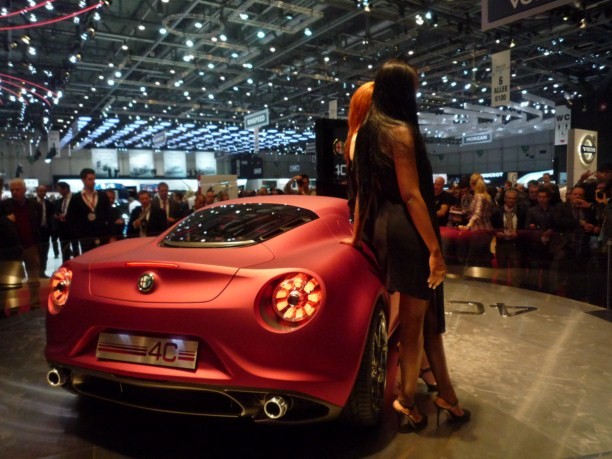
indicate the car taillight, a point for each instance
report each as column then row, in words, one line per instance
column 297, row 297
column 60, row 288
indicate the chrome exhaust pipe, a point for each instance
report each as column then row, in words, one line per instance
column 276, row 407
column 57, row 377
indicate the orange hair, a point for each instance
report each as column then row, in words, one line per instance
column 358, row 109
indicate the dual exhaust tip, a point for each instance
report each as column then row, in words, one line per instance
column 274, row 407
column 57, row 377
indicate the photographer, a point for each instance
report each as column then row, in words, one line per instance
column 146, row 220
column 303, row 186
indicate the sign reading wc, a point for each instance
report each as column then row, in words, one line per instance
column 257, row 119
column 471, row 139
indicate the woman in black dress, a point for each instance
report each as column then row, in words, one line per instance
column 396, row 218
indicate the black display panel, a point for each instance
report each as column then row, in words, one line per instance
column 331, row 167
column 247, row 166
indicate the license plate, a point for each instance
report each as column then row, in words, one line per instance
column 172, row 352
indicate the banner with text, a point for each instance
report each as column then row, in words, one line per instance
column 53, row 141
column 563, row 121
column 500, row 84
column 499, row 12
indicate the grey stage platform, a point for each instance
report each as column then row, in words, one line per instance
column 538, row 382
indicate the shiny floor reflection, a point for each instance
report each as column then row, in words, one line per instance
column 534, row 369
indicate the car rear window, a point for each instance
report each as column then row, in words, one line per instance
column 236, row 225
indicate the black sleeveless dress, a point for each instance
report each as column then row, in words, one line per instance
column 388, row 229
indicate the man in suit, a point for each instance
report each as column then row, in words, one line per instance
column 539, row 230
column 45, row 227
column 68, row 243
column 171, row 208
column 26, row 214
column 507, row 221
column 89, row 214
column 146, row 220
column 574, row 224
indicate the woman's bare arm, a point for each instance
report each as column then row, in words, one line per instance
column 403, row 150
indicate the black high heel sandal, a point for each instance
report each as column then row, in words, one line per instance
column 405, row 412
column 452, row 417
column 430, row 387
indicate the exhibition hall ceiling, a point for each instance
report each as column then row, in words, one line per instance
column 184, row 74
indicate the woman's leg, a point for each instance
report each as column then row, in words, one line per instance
column 411, row 316
column 434, row 347
column 425, row 373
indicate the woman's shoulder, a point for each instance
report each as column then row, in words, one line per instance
column 402, row 132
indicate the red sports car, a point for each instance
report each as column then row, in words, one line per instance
column 247, row 308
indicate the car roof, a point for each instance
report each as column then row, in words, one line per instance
column 321, row 205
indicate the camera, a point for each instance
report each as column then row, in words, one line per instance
column 599, row 194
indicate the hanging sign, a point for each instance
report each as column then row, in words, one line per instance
column 563, row 121
column 159, row 139
column 53, row 141
column 500, row 84
column 257, row 119
column 471, row 139
column 499, row 12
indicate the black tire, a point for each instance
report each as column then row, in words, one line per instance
column 366, row 402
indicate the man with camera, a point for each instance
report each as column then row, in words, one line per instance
column 146, row 220
column 303, row 186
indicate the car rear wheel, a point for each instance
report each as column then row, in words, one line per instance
column 366, row 401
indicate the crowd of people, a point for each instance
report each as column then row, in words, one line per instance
column 536, row 236
column 539, row 237
column 69, row 223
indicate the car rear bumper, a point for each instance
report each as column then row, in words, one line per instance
column 259, row 405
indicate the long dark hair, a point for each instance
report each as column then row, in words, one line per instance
column 393, row 104
column 394, row 96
